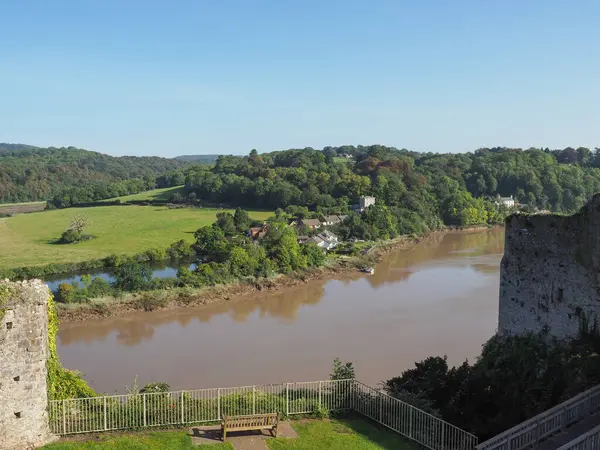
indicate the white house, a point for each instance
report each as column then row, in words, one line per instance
column 326, row 240
column 366, row 201
column 509, row 202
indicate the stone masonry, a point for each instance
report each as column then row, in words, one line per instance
column 550, row 273
column 23, row 356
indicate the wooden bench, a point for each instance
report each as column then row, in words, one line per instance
column 250, row 422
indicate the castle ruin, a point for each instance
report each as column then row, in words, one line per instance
column 550, row 273
column 23, row 365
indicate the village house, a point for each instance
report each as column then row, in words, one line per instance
column 363, row 203
column 509, row 202
column 325, row 240
column 312, row 224
column 333, row 219
column 258, row 232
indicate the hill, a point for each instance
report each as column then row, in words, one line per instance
column 5, row 147
column 198, row 159
column 29, row 173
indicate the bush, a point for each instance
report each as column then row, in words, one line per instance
column 70, row 237
column 149, row 302
column 65, row 293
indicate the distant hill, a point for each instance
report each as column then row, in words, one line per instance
column 5, row 147
column 29, row 173
column 199, row 159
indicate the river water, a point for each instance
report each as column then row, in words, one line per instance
column 439, row 297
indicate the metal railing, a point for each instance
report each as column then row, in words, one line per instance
column 118, row 412
column 545, row 424
column 587, row 441
column 424, row 428
column 134, row 411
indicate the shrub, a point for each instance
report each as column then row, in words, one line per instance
column 65, row 293
column 148, row 302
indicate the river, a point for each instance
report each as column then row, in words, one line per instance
column 439, row 297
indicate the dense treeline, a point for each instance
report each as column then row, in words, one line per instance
column 420, row 190
column 71, row 175
column 515, row 378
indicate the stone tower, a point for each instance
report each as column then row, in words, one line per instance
column 550, row 273
column 23, row 359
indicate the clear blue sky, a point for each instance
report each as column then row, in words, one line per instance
column 199, row 76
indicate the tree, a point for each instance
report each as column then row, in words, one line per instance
column 241, row 220
column 132, row 276
column 211, row 243
column 315, row 257
column 79, row 223
column 225, row 221
column 342, row 371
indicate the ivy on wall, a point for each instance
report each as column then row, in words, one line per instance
column 62, row 383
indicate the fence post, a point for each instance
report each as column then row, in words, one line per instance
column 105, row 421
column 144, row 409
column 64, row 416
column 219, row 404
column 380, row 407
column 182, row 421
column 320, row 394
column 410, row 422
column 287, row 399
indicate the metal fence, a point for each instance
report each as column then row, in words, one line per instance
column 119, row 412
column 545, row 424
column 587, row 441
column 422, row 427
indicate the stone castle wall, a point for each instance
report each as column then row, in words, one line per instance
column 550, row 273
column 23, row 357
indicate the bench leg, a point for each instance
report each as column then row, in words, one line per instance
column 224, row 434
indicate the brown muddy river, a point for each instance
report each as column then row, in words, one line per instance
column 439, row 297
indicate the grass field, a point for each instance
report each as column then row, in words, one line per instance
column 348, row 434
column 162, row 195
column 139, row 441
column 25, row 240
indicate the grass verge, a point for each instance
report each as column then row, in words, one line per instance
column 343, row 434
column 171, row 440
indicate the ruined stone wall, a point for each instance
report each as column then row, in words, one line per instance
column 550, row 273
column 23, row 356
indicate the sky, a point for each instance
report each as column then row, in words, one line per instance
column 196, row 76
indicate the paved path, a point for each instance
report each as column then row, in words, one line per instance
column 574, row 431
column 241, row 440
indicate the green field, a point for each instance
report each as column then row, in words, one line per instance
column 162, row 195
column 350, row 434
column 26, row 240
column 347, row 434
column 139, row 441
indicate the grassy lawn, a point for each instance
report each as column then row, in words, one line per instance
column 141, row 441
column 155, row 194
column 25, row 240
column 346, row 434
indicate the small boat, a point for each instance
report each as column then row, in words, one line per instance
column 368, row 270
